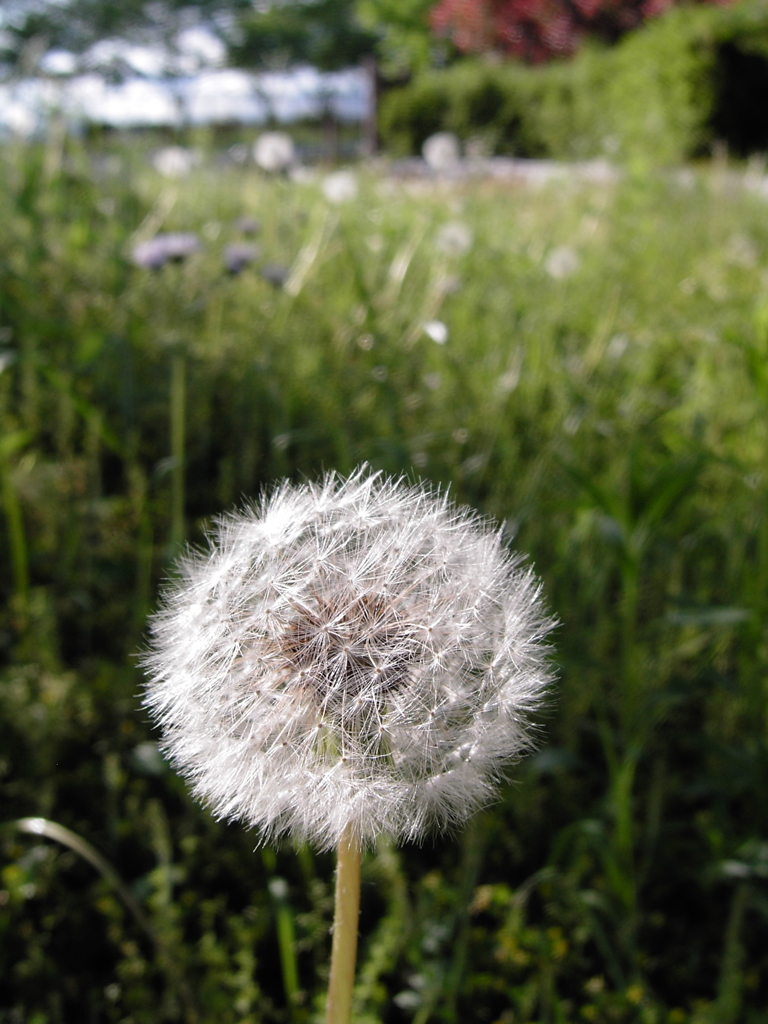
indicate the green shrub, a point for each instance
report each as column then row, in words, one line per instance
column 473, row 99
column 661, row 95
column 411, row 114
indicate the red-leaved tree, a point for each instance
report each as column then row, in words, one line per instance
column 537, row 30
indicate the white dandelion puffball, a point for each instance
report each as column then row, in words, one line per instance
column 274, row 152
column 562, row 262
column 454, row 238
column 356, row 654
column 442, row 152
column 340, row 187
column 175, row 161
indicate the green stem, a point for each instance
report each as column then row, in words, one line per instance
column 15, row 526
column 475, row 840
column 286, row 933
column 178, row 396
column 727, row 1008
column 345, row 923
column 286, row 940
column 630, row 662
column 17, row 542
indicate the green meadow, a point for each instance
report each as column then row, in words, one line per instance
column 586, row 362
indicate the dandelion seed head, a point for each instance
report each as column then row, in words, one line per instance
column 442, row 152
column 356, row 653
column 562, row 262
column 340, row 187
column 274, row 152
column 455, row 238
column 175, row 161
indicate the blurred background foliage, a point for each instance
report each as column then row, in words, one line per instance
column 586, row 361
column 662, row 95
column 407, row 36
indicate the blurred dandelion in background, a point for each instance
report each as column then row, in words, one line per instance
column 175, row 161
column 340, row 187
column 454, row 238
column 562, row 262
column 300, row 174
column 274, row 152
column 441, row 152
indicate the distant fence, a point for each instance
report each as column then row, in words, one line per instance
column 213, row 97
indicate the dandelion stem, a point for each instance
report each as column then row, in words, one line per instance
column 15, row 526
column 345, row 920
column 178, row 413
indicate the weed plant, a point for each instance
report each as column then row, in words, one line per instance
column 601, row 387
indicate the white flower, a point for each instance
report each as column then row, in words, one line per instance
column 340, row 187
column 742, row 251
column 454, row 237
column 303, row 175
column 355, row 654
column 441, row 152
column 274, row 152
column 174, row 161
column 562, row 262
column 436, row 330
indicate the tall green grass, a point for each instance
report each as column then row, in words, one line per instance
column 602, row 390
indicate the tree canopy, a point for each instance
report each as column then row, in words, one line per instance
column 325, row 33
column 537, row 30
column 406, row 35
